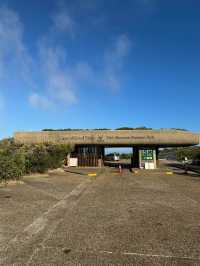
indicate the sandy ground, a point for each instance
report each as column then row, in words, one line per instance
column 148, row 218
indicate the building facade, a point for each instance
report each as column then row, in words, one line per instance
column 89, row 145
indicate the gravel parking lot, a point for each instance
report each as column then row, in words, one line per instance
column 144, row 218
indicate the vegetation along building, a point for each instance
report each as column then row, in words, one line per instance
column 89, row 145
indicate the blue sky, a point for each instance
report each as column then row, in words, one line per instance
column 99, row 63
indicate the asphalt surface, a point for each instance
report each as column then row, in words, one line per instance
column 186, row 166
column 144, row 218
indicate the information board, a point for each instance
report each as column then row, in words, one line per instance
column 147, row 155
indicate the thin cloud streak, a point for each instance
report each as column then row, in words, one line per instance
column 11, row 45
column 40, row 101
column 60, row 86
column 114, row 61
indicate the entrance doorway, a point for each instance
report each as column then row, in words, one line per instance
column 118, row 156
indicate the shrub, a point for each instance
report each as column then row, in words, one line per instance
column 11, row 166
column 40, row 158
column 17, row 160
column 57, row 154
column 36, row 160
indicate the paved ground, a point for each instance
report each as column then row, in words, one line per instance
column 148, row 218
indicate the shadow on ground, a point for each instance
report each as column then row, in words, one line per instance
column 186, row 168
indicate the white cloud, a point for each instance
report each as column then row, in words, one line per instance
column 11, row 30
column 14, row 58
column 50, row 66
column 39, row 101
column 63, row 81
column 122, row 46
column 84, row 71
column 114, row 61
column 11, row 46
column 51, row 80
column 60, row 85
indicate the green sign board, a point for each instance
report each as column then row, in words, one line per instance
column 147, row 155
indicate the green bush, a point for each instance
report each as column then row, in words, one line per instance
column 180, row 153
column 17, row 160
column 40, row 158
column 11, row 166
column 56, row 155
column 36, row 160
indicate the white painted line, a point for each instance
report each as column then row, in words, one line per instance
column 39, row 224
column 45, row 220
column 151, row 255
column 107, row 252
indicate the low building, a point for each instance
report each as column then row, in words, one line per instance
column 89, row 145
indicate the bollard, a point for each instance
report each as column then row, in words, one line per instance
column 120, row 169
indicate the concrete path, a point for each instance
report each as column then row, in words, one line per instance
column 148, row 218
